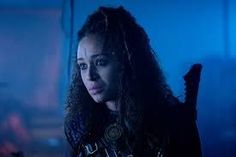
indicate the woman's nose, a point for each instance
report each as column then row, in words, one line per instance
column 92, row 73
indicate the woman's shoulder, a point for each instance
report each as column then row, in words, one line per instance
column 74, row 129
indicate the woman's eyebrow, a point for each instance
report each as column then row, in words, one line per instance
column 95, row 56
column 101, row 54
column 78, row 59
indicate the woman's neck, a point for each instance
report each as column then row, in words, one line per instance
column 111, row 105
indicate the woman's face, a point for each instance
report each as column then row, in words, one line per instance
column 99, row 70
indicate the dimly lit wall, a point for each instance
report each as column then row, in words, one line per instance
column 30, row 50
column 30, row 72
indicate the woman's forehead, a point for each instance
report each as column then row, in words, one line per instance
column 93, row 45
column 90, row 45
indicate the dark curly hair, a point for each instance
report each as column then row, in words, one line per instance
column 143, row 94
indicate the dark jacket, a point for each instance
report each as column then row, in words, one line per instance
column 182, row 133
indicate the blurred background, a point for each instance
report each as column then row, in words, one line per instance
column 37, row 45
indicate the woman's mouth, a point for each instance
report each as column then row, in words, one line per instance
column 95, row 90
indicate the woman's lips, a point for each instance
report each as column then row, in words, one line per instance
column 95, row 90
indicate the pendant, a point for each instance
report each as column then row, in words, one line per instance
column 113, row 132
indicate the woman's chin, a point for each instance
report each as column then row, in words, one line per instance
column 98, row 98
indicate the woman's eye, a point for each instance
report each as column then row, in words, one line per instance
column 82, row 66
column 101, row 62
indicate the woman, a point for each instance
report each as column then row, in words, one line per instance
column 119, row 104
